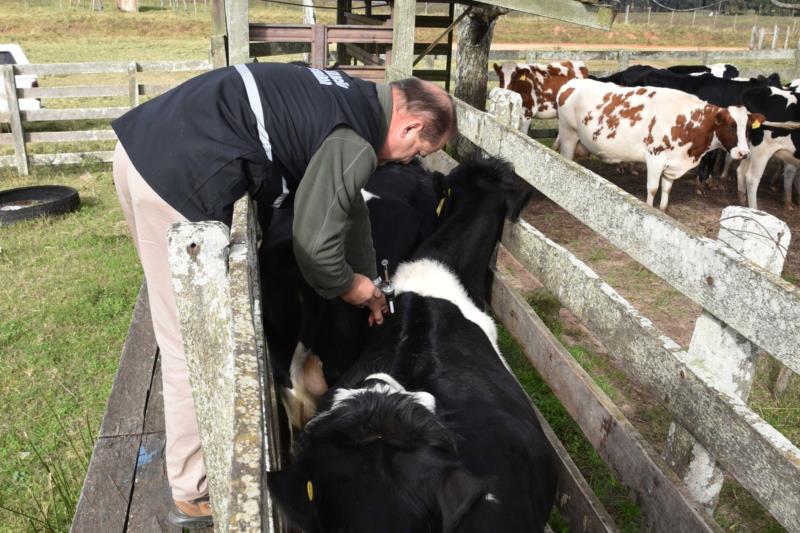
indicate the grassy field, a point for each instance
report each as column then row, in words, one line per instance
column 69, row 284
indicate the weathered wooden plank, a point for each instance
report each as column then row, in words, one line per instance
column 581, row 13
column 106, row 494
column 198, row 254
column 77, row 91
column 236, row 19
column 17, row 133
column 274, row 49
column 76, row 158
column 105, row 497
column 256, row 442
column 151, row 498
column 8, row 160
column 62, row 136
column 711, row 274
column 761, row 459
column 126, row 405
column 58, row 69
column 531, row 56
column 403, row 17
column 578, row 504
column 154, row 412
column 107, row 67
column 174, row 66
column 86, row 113
column 665, row 502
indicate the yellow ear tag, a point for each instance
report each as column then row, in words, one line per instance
column 310, row 491
column 522, row 78
column 755, row 125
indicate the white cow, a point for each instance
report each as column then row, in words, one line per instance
column 666, row 129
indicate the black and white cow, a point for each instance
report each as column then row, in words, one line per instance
column 406, row 204
column 429, row 431
column 719, row 70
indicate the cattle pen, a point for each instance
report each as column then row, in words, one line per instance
column 734, row 278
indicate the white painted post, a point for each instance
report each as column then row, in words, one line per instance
column 17, row 133
column 752, row 39
column 774, row 36
column 786, row 40
column 694, row 16
column 720, row 353
column 734, row 20
column 761, row 33
column 649, row 9
column 627, row 12
column 506, row 106
column 672, row 17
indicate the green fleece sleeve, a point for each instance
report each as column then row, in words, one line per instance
column 331, row 231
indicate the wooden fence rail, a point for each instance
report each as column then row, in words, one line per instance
column 133, row 89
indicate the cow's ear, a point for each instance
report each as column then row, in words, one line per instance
column 497, row 68
column 294, row 494
column 516, row 202
column 458, row 493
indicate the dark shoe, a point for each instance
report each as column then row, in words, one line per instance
column 191, row 514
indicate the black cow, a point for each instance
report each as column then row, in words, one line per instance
column 429, row 431
column 406, row 204
column 720, row 70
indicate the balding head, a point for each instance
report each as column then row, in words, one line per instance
column 423, row 119
column 431, row 104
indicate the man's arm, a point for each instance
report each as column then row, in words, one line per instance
column 331, row 223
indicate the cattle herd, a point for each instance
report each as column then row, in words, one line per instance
column 673, row 120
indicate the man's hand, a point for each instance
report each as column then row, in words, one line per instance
column 364, row 293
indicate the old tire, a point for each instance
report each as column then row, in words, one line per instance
column 41, row 200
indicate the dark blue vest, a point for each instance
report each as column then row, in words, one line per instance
column 198, row 146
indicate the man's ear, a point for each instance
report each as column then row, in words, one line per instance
column 458, row 493
column 294, row 494
column 413, row 125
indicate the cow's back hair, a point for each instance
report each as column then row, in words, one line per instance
column 394, row 420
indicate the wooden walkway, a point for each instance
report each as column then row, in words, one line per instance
column 126, row 486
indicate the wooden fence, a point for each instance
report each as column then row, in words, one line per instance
column 59, row 118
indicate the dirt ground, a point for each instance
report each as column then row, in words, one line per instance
column 672, row 312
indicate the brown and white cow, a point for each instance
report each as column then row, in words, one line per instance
column 538, row 84
column 666, row 129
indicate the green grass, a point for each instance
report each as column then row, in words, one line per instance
column 67, row 292
column 609, row 490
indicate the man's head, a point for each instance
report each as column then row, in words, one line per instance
column 423, row 119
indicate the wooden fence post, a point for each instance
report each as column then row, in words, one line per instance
column 17, row 133
column 649, row 9
column 786, row 40
column 774, row 37
column 761, row 33
column 694, row 16
column 797, row 61
column 214, row 273
column 403, row 22
column 720, row 353
column 627, row 12
column 734, row 20
column 133, row 86
column 219, row 56
column 672, row 17
column 753, row 39
column 506, row 107
column 623, row 59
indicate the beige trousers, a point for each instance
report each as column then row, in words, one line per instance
column 149, row 217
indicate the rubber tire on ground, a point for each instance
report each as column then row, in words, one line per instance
column 54, row 200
